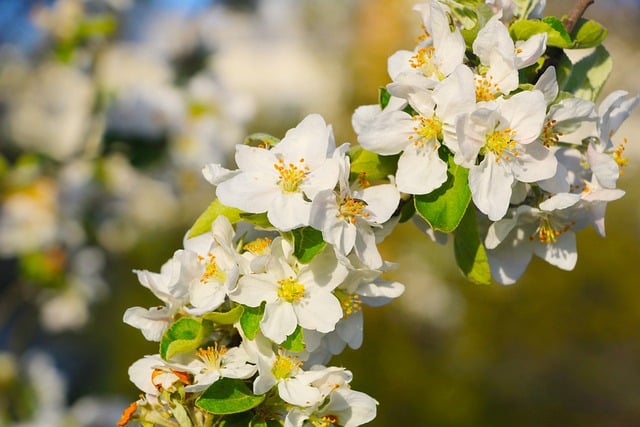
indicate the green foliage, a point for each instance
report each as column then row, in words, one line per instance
column 590, row 74
column 383, row 97
column 557, row 35
column 464, row 11
column 257, row 421
column 262, row 140
column 307, row 243
column 184, row 335
column 250, row 320
column 227, row 317
column 237, row 420
column 588, row 33
column 483, row 15
column 228, row 396
column 215, row 209
column 295, row 341
column 469, row 252
column 444, row 207
column 373, row 166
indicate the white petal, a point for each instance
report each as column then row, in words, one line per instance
column 420, row 171
column 298, row 393
column 548, row 85
column 528, row 52
column 534, row 162
column 562, row 253
column 508, row 261
column 309, row 140
column 493, row 38
column 490, row 184
column 255, row 288
column 525, row 113
column 382, row 201
column 215, row 173
column 248, row 192
column 320, row 311
column 288, row 211
column 279, row 321
column 152, row 322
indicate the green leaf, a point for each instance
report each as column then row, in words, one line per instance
column 237, row 420
column 590, row 74
column 444, row 207
column 557, row 34
column 184, row 335
column 483, row 15
column 259, row 220
column 588, row 33
column 225, row 318
column 228, row 396
column 250, row 320
column 262, row 140
column 383, row 97
column 215, row 209
column 258, row 421
column 307, row 243
column 564, row 68
column 372, row 165
column 407, row 210
column 469, row 251
column 295, row 341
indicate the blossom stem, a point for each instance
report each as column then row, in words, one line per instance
column 575, row 14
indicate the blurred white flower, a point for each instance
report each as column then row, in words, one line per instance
column 50, row 111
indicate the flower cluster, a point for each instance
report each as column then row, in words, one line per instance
column 482, row 132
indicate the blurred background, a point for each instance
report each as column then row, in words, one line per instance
column 109, row 109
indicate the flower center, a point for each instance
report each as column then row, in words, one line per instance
column 423, row 60
column 260, row 246
column 291, row 175
column 285, row 366
column 618, row 157
column 501, row 141
column 547, row 233
column 549, row 135
column 426, row 129
column 350, row 303
column 486, row 89
column 351, row 208
column 290, row 290
column 211, row 270
column 212, row 356
column 325, row 421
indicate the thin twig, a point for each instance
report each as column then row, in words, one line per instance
column 575, row 14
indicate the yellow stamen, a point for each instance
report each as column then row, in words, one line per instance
column 350, row 303
column 500, row 142
column 423, row 61
column 291, row 175
column 547, row 233
column 549, row 135
column 212, row 356
column 618, row 157
column 290, row 290
column 351, row 208
column 260, row 246
column 427, row 129
column 325, row 421
column 211, row 271
column 486, row 89
column 285, row 366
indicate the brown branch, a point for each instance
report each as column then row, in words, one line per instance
column 575, row 14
